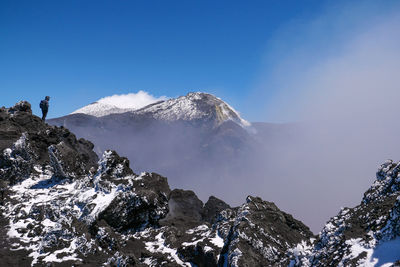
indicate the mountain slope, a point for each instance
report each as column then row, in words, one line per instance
column 192, row 107
column 192, row 139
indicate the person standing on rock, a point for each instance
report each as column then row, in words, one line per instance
column 44, row 106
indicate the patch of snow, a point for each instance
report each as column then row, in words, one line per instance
column 149, row 262
column 48, row 223
column 159, row 246
column 100, row 199
column 7, row 152
column 21, row 142
column 384, row 254
column 53, row 256
column 202, row 227
column 194, row 243
column 67, row 200
column 217, row 240
column 207, row 249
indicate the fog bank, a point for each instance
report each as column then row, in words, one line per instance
column 346, row 97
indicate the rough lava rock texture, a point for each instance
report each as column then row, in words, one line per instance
column 259, row 234
column 26, row 140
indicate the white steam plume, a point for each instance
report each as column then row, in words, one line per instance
column 131, row 100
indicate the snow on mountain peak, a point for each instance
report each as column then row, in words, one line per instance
column 194, row 106
column 119, row 104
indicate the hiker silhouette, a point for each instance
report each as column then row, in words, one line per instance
column 44, row 106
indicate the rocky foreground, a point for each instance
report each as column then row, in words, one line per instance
column 62, row 206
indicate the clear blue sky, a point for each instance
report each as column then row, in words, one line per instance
column 80, row 51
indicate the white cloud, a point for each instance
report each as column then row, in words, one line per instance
column 131, row 100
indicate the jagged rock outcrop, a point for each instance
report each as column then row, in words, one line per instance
column 64, row 208
column 25, row 140
column 185, row 208
column 366, row 235
column 143, row 200
column 212, row 208
column 259, row 234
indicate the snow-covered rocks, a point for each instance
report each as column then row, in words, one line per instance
column 363, row 235
column 67, row 220
column 22, row 106
column 16, row 162
column 260, row 235
column 30, row 139
column 142, row 203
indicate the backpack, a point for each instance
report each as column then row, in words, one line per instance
column 43, row 104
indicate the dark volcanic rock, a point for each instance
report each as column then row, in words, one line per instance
column 185, row 208
column 212, row 208
column 350, row 238
column 140, row 208
column 26, row 141
column 197, row 256
column 260, row 235
column 17, row 163
column 113, row 166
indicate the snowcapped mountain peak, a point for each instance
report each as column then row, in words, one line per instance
column 194, row 106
